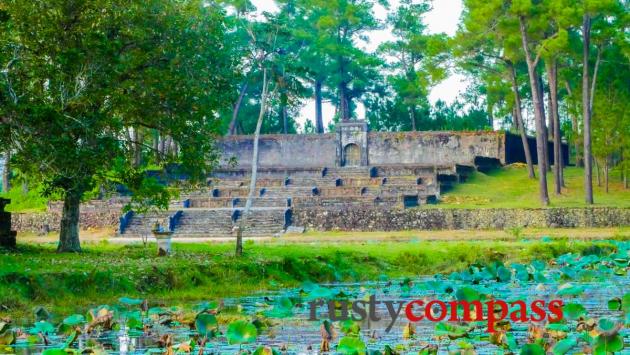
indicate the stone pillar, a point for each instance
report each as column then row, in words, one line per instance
column 352, row 143
column 7, row 236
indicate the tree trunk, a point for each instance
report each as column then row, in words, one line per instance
column 254, row 174
column 237, row 108
column 597, row 172
column 285, row 120
column 606, row 171
column 586, row 108
column 490, row 109
column 156, row 146
column 343, row 102
column 594, row 81
column 534, row 86
column 162, row 148
column 520, row 125
column 579, row 162
column 412, row 117
column 69, row 231
column 550, row 117
column 319, row 120
column 544, row 123
column 552, row 73
column 6, row 173
column 137, row 148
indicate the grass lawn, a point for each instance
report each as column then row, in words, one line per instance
column 510, row 187
column 69, row 283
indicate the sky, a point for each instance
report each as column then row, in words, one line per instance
column 443, row 18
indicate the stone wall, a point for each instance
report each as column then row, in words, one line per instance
column 34, row 222
column 281, row 150
column 434, row 148
column 383, row 148
column 378, row 219
column 371, row 219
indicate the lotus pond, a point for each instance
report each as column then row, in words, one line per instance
column 594, row 287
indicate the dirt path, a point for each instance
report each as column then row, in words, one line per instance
column 109, row 235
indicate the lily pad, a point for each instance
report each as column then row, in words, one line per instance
column 532, row 349
column 206, row 325
column 241, row 332
column 74, row 320
column 130, row 301
column 608, row 344
column 573, row 310
column 351, row 345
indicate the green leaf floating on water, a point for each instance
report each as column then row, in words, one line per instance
column 265, row 350
column 504, row 274
column 606, row 326
column 559, row 327
column 54, row 352
column 625, row 303
column 468, row 294
column 351, row 345
column 283, row 308
column 205, row 306
column 614, row 304
column 570, row 290
column 607, row 344
column 74, row 320
column 564, row 346
column 573, row 310
column 206, row 325
column 532, row 349
column 130, row 301
column 451, row 330
column 350, row 327
column 319, row 293
column 241, row 332
column 42, row 327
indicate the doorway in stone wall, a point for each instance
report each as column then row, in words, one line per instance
column 352, row 155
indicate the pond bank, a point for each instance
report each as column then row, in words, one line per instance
column 66, row 283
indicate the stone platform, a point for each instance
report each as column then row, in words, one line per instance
column 214, row 211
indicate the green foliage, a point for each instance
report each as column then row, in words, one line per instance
column 78, row 97
column 241, row 332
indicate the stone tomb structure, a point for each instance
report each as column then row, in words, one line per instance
column 352, row 168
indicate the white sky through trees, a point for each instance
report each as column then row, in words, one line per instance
column 444, row 17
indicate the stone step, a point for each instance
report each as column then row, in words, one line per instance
column 215, row 222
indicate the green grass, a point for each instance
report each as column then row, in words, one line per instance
column 69, row 283
column 510, row 187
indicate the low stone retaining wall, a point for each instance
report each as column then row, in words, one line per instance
column 380, row 219
column 374, row 219
column 35, row 222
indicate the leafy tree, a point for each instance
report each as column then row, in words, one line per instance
column 339, row 25
column 487, row 46
column 81, row 74
column 418, row 60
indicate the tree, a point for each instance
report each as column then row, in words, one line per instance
column 418, row 60
column 83, row 73
column 488, row 47
column 590, row 10
column 532, row 48
column 339, row 25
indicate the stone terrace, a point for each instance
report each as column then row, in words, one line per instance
column 279, row 192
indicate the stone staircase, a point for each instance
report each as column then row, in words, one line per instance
column 217, row 222
column 214, row 211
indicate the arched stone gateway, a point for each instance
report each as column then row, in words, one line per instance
column 351, row 155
